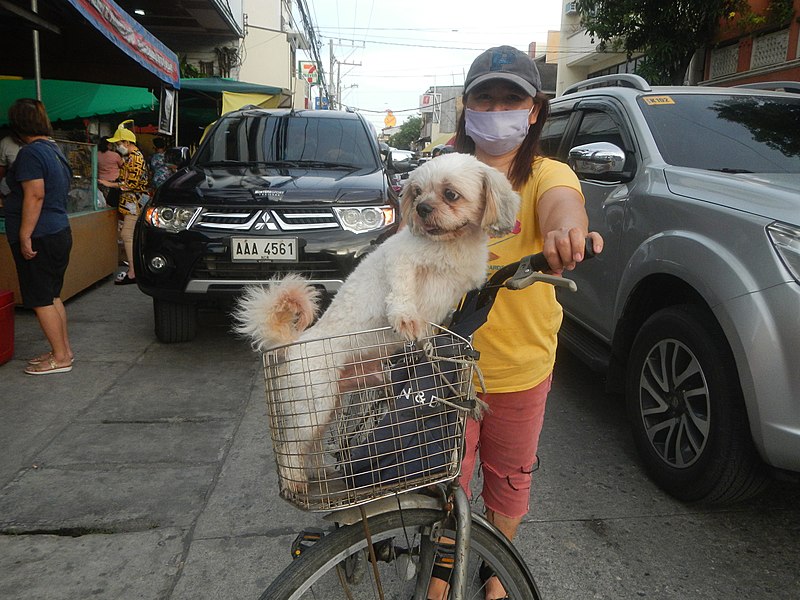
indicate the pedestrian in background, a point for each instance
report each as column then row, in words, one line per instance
column 504, row 112
column 38, row 229
column 160, row 170
column 109, row 163
column 133, row 185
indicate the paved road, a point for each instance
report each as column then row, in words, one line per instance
column 147, row 473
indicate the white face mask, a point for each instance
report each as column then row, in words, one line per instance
column 122, row 149
column 497, row 132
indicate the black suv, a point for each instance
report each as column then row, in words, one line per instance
column 267, row 192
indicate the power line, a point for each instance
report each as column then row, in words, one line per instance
column 313, row 42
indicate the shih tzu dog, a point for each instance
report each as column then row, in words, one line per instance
column 450, row 206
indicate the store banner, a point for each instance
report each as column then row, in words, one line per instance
column 166, row 110
column 130, row 37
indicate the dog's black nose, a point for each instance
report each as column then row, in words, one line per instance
column 423, row 209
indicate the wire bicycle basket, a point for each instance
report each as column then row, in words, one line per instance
column 392, row 419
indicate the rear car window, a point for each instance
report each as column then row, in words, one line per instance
column 735, row 134
column 553, row 133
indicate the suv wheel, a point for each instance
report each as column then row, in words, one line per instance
column 174, row 322
column 686, row 409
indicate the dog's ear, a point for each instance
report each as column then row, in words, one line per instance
column 501, row 203
column 407, row 201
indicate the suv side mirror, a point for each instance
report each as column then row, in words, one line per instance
column 386, row 155
column 177, row 156
column 598, row 160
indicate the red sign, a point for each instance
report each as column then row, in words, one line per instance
column 130, row 37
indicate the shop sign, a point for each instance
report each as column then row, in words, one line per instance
column 428, row 102
column 133, row 39
column 309, row 71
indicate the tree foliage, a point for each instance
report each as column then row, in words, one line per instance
column 667, row 33
column 409, row 132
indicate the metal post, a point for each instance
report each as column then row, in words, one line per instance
column 36, row 60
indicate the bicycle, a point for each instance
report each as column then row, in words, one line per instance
column 387, row 470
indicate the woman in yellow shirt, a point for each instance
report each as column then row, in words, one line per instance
column 504, row 112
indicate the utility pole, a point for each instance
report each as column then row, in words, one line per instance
column 336, row 99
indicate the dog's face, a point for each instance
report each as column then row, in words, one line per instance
column 455, row 195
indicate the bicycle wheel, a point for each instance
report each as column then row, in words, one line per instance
column 338, row 566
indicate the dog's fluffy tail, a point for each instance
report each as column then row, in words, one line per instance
column 275, row 314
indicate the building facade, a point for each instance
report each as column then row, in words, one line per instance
column 270, row 47
column 759, row 44
column 206, row 34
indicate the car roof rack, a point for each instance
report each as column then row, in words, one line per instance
column 620, row 80
column 775, row 86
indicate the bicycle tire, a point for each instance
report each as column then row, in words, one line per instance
column 315, row 573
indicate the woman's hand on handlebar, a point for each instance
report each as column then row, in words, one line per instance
column 565, row 248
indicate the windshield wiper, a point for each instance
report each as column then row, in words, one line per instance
column 249, row 163
column 324, row 164
column 734, row 171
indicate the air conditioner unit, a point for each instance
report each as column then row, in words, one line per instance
column 571, row 8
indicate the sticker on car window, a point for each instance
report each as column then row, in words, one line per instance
column 656, row 100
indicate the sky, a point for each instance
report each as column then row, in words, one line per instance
column 397, row 50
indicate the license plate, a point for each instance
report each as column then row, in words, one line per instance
column 264, row 249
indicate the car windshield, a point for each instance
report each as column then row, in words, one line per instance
column 728, row 133
column 289, row 141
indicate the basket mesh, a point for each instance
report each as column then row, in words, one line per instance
column 396, row 418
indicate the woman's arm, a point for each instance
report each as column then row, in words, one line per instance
column 564, row 227
column 32, row 201
column 130, row 177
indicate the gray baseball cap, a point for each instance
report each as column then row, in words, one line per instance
column 508, row 63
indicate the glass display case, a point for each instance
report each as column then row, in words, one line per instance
column 83, row 194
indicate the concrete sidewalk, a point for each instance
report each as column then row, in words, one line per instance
column 147, row 472
column 144, row 470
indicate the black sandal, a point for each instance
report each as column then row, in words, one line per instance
column 486, row 573
column 443, row 560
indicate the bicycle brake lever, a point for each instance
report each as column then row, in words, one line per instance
column 531, row 267
column 519, row 283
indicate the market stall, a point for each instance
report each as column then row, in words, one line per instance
column 77, row 42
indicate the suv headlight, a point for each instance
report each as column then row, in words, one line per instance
column 786, row 241
column 174, row 218
column 360, row 219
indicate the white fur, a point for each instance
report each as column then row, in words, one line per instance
column 450, row 206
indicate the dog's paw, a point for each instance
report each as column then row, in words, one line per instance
column 409, row 328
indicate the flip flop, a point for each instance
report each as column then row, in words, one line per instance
column 123, row 279
column 485, row 573
column 53, row 368
column 40, row 359
column 37, row 360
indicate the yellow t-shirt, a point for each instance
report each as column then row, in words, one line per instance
column 518, row 341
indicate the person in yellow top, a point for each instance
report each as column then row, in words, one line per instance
column 504, row 112
column 133, row 183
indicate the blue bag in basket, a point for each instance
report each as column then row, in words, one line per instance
column 418, row 435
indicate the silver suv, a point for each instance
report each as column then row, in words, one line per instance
column 693, row 308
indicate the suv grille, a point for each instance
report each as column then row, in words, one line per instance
column 305, row 218
column 215, row 266
column 288, row 219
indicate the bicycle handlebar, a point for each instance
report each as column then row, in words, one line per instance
column 531, row 269
column 518, row 275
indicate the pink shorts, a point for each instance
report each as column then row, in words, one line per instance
column 507, row 438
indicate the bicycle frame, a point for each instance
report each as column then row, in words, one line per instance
column 452, row 502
